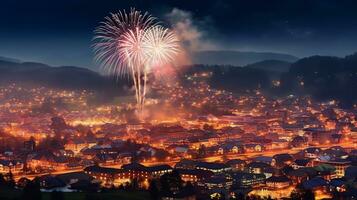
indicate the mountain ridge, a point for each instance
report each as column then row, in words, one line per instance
column 238, row 58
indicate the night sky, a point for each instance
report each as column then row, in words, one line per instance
column 59, row 32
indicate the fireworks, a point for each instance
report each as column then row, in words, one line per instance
column 131, row 44
column 161, row 44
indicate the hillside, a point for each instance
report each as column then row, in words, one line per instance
column 324, row 78
column 64, row 77
column 238, row 58
column 271, row 65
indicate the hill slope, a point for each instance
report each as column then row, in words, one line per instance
column 271, row 65
column 65, row 77
column 238, row 58
column 323, row 77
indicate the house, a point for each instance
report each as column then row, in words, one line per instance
column 312, row 152
column 159, row 170
column 105, row 175
column 260, row 168
column 236, row 164
column 217, row 182
column 326, row 171
column 13, row 166
column 47, row 160
column 229, row 148
column 301, row 163
column 104, row 158
column 340, row 165
column 213, row 167
column 278, row 182
column 186, row 164
column 316, row 184
column 74, row 177
column 136, row 171
column 49, row 182
column 253, row 148
column 301, row 174
column 76, row 145
column 335, row 153
column 281, row 160
column 245, row 180
column 194, row 175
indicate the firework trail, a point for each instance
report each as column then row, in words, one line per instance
column 131, row 44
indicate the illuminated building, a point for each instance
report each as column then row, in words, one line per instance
column 138, row 171
column 76, row 145
column 236, row 164
column 278, row 182
column 301, row 163
column 194, row 175
column 213, row 167
column 245, row 180
column 105, row 175
column 339, row 164
column 13, row 166
column 260, row 168
column 216, row 182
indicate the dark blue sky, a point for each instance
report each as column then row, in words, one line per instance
column 59, row 32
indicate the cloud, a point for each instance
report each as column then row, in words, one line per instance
column 191, row 36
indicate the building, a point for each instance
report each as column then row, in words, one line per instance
column 217, row 182
column 159, row 170
column 138, row 171
column 301, row 163
column 194, row 175
column 236, row 164
column 107, row 176
column 260, row 168
column 278, row 182
column 213, row 167
column 13, row 166
column 339, row 164
column 245, row 180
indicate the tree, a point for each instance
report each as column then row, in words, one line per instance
column 32, row 191
column 2, row 180
column 308, row 195
column 171, row 182
column 202, row 151
column 10, row 181
column 295, row 195
column 302, row 194
column 154, row 190
column 57, row 195
column 189, row 188
column 240, row 196
column 134, row 184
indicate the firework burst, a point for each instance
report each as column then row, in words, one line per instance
column 109, row 37
column 161, row 44
column 132, row 44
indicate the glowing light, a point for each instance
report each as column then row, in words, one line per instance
column 131, row 44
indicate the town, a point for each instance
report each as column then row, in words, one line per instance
column 215, row 146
